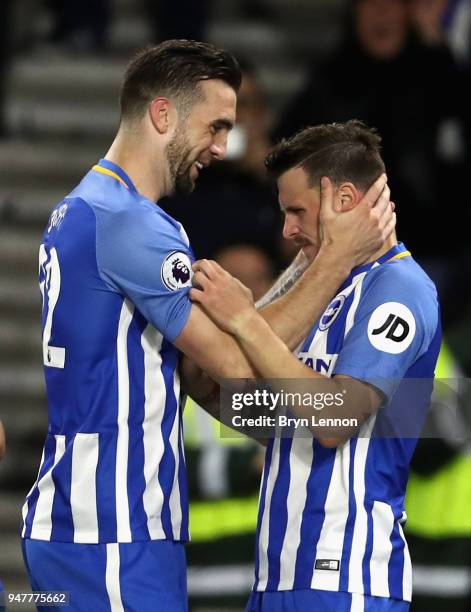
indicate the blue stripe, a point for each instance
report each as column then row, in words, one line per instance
column 135, row 478
column 182, row 481
column 167, row 464
column 106, row 487
column 350, row 524
column 61, row 516
column 49, row 453
column 396, row 564
column 278, row 515
column 384, row 604
column 313, row 513
column 261, row 507
column 368, row 547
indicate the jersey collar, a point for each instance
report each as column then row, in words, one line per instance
column 398, row 251
column 107, row 167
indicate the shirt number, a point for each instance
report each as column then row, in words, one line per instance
column 50, row 285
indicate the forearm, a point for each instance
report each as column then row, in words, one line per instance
column 292, row 315
column 267, row 352
column 349, row 401
column 284, row 283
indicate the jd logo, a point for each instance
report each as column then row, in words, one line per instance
column 391, row 328
column 397, row 328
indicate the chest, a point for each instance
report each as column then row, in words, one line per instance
column 321, row 348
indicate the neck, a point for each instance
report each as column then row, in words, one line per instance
column 145, row 166
column 388, row 244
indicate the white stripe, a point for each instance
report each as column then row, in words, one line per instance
column 358, row 603
column 407, row 574
column 330, row 543
column 355, row 571
column 154, row 407
column 42, row 523
column 122, row 446
column 383, row 523
column 265, row 524
column 300, row 463
column 83, row 488
column 25, row 508
column 174, row 501
column 113, row 587
column 357, row 284
column 360, row 531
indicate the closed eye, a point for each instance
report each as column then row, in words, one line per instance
column 293, row 210
column 221, row 124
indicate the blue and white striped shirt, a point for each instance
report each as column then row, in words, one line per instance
column 332, row 519
column 114, row 272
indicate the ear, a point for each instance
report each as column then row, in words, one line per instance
column 347, row 196
column 162, row 113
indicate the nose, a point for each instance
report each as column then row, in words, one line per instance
column 219, row 147
column 290, row 229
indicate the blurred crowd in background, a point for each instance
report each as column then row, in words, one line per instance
column 402, row 66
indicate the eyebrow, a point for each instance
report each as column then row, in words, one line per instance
column 290, row 208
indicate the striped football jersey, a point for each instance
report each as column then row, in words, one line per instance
column 331, row 518
column 114, row 273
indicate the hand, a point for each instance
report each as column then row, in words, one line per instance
column 358, row 233
column 224, row 299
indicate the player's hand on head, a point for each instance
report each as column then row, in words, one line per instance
column 357, row 233
column 224, row 298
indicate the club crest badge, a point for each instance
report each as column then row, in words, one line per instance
column 332, row 312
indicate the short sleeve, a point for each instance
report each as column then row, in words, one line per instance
column 144, row 256
column 394, row 325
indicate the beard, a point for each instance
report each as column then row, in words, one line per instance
column 178, row 152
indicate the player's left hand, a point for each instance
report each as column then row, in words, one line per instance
column 224, row 298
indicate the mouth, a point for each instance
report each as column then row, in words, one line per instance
column 301, row 242
column 310, row 251
column 196, row 168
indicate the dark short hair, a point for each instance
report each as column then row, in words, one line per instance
column 342, row 151
column 173, row 69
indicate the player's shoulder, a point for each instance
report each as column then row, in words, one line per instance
column 402, row 278
column 402, row 288
column 123, row 212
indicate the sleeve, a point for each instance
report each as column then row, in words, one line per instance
column 143, row 256
column 394, row 325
